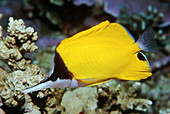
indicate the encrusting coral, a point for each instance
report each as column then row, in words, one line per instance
column 99, row 99
column 80, row 101
column 118, row 100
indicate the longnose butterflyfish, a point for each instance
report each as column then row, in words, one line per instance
column 104, row 52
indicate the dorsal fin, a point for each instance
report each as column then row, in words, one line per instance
column 104, row 30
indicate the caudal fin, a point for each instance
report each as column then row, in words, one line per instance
column 147, row 41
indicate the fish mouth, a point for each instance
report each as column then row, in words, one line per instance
column 59, row 83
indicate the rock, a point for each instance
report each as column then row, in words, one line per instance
column 80, row 100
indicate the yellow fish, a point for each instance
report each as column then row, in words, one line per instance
column 104, row 52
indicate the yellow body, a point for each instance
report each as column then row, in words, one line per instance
column 103, row 52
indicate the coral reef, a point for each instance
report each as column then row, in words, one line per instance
column 139, row 21
column 120, row 100
column 19, row 41
column 113, row 7
column 11, row 49
column 136, row 18
column 105, row 99
column 47, row 10
column 158, row 92
column 58, row 19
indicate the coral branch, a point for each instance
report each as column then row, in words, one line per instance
column 19, row 41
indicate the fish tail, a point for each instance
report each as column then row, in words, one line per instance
column 147, row 41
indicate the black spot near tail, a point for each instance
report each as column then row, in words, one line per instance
column 140, row 56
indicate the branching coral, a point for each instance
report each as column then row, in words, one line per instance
column 139, row 21
column 113, row 7
column 19, row 41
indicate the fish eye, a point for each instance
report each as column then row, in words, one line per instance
column 141, row 56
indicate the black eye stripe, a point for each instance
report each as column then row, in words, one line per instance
column 141, row 57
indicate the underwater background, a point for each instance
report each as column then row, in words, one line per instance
column 29, row 32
